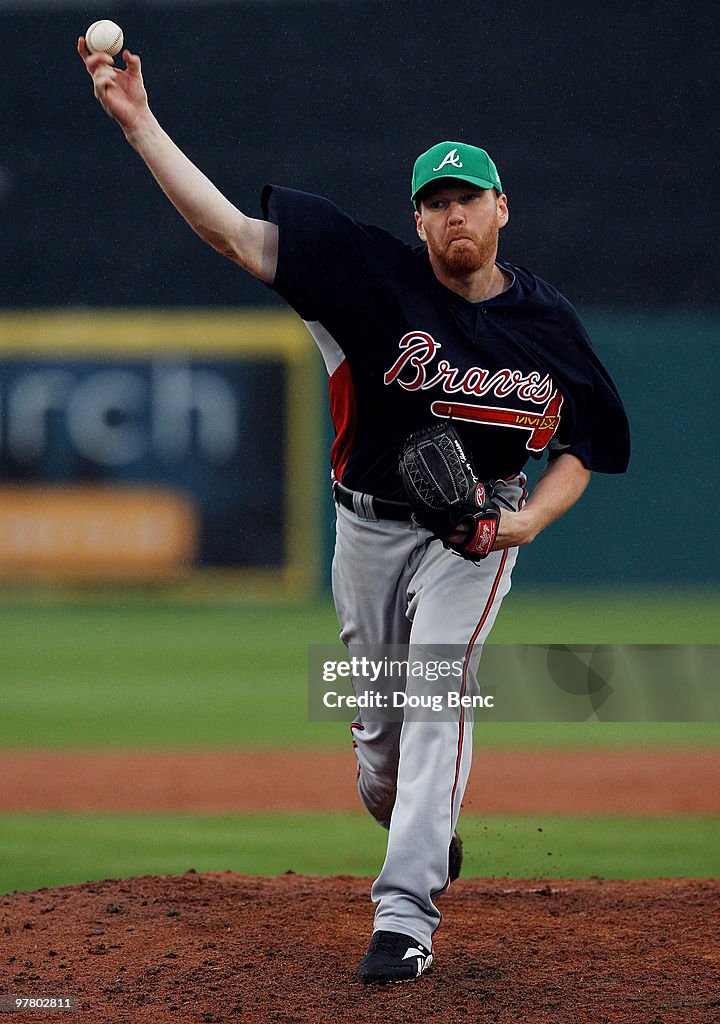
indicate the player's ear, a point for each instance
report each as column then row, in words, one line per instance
column 502, row 210
column 419, row 226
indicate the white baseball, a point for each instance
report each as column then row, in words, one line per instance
column 105, row 37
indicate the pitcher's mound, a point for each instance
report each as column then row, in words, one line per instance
column 227, row 947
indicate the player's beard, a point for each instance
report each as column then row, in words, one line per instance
column 465, row 257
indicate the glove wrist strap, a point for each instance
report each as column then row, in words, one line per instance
column 481, row 543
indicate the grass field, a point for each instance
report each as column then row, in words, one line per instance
column 61, row 849
column 158, row 675
column 128, row 672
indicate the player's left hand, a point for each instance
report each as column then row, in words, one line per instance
column 514, row 529
column 445, row 494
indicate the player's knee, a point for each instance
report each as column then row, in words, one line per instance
column 378, row 791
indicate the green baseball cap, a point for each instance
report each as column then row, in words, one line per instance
column 454, row 160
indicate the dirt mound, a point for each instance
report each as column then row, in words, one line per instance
column 227, row 947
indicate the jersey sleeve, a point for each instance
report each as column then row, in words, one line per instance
column 324, row 256
column 595, row 427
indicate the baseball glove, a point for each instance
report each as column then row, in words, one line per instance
column 445, row 494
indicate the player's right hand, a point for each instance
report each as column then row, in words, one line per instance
column 121, row 93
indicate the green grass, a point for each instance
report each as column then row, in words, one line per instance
column 615, row 617
column 156, row 676
column 39, row 850
column 129, row 671
column 578, row 847
column 139, row 673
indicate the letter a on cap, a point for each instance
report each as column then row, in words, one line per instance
column 452, row 159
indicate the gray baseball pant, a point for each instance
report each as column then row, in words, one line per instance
column 393, row 583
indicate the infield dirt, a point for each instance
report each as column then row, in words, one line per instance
column 226, row 947
column 583, row 781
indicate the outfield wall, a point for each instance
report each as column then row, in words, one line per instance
column 658, row 523
column 220, row 415
column 144, row 445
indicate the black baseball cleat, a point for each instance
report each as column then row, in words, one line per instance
column 394, row 957
column 455, row 857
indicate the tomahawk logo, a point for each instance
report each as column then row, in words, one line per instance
column 451, row 159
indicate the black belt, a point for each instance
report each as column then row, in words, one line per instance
column 362, row 504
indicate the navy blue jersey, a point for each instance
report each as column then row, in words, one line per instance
column 516, row 373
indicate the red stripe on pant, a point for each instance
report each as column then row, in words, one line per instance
column 471, row 644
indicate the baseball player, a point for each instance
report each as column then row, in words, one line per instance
column 460, row 364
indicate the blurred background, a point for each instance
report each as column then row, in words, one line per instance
column 599, row 118
column 163, row 424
